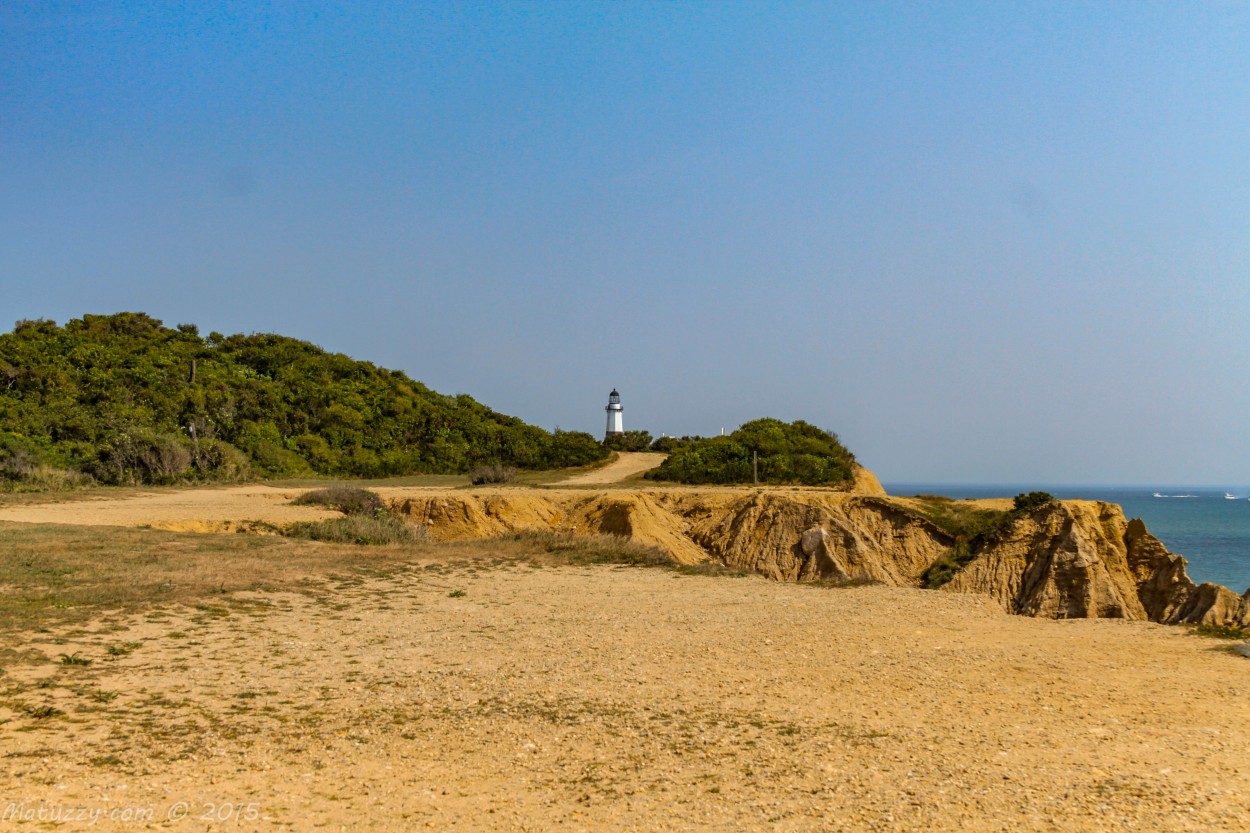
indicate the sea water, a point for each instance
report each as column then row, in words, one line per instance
column 1202, row 523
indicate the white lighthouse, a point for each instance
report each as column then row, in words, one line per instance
column 616, row 423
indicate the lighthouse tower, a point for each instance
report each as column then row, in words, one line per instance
column 616, row 423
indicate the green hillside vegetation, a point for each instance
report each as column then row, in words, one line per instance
column 629, row 441
column 974, row 529
column 123, row 399
column 795, row 452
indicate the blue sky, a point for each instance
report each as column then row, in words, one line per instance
column 981, row 241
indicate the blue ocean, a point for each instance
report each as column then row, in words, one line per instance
column 1209, row 526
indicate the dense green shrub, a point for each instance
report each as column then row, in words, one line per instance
column 1027, row 502
column 25, row 466
column 629, row 441
column 795, row 452
column 572, row 448
column 667, row 445
column 219, row 460
column 142, row 456
column 129, row 400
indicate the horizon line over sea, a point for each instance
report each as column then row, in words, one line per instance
column 1029, row 486
column 1202, row 523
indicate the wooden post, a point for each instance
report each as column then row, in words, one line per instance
column 195, row 436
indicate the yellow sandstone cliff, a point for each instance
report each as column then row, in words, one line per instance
column 1068, row 559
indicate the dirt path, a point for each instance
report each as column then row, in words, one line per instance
column 508, row 698
column 626, row 465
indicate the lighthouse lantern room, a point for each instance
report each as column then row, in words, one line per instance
column 616, row 423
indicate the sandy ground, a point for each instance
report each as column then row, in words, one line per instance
column 508, row 697
column 189, row 510
column 625, row 699
column 627, row 464
column 225, row 509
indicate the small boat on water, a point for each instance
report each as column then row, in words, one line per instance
column 1229, row 496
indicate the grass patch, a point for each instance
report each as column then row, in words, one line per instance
column 106, row 760
column 483, row 475
column 947, row 565
column 580, row 550
column 973, row 527
column 367, row 519
column 40, row 712
column 58, row 575
column 379, row 528
column 712, row 568
column 99, row 696
column 959, row 519
column 74, row 659
column 1221, row 632
column 842, row 583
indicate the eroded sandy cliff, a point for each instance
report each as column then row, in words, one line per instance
column 1068, row 559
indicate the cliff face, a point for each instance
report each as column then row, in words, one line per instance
column 790, row 537
column 1069, row 559
column 1076, row 559
column 1064, row 561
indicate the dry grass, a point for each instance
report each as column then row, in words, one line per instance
column 61, row 574
column 492, row 474
column 55, row 575
column 349, row 500
column 560, row 548
column 88, row 493
column 379, row 529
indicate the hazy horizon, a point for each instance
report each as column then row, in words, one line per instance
column 984, row 243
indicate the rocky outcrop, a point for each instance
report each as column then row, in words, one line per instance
column 1084, row 559
column 865, row 482
column 1063, row 561
column 1067, row 559
column 792, row 538
column 1162, row 585
column 859, row 539
column 640, row 518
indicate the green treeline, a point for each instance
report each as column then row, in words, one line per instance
column 122, row 399
column 795, row 452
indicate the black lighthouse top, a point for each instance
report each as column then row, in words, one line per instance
column 614, row 398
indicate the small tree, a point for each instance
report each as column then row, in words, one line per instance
column 1028, row 502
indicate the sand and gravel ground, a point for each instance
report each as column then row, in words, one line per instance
column 498, row 695
column 191, row 510
column 503, row 696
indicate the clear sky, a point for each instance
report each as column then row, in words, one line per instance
column 981, row 241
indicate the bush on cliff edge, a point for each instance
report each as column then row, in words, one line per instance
column 796, row 452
